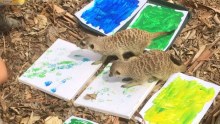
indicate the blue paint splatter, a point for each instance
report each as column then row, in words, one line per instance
column 77, row 56
column 48, row 83
column 108, row 14
column 53, row 90
column 63, row 81
column 85, row 59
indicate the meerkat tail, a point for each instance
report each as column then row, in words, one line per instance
column 157, row 34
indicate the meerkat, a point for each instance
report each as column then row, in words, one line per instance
column 150, row 66
column 129, row 40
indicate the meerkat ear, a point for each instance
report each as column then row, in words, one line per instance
column 118, row 73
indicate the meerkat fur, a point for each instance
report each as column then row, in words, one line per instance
column 129, row 40
column 150, row 66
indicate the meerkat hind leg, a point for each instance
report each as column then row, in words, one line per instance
column 151, row 79
column 100, row 61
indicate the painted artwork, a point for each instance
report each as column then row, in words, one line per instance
column 154, row 18
column 106, row 95
column 182, row 100
column 108, row 16
column 77, row 120
column 62, row 70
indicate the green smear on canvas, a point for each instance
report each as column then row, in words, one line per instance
column 179, row 103
column 79, row 121
column 45, row 68
column 158, row 19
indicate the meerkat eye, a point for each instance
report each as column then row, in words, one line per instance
column 117, row 72
column 82, row 43
column 91, row 46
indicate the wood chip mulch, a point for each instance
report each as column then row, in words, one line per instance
column 43, row 21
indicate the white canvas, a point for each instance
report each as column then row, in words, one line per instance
column 112, row 98
column 77, row 120
column 176, row 31
column 206, row 84
column 62, row 70
column 122, row 23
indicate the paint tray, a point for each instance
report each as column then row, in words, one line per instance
column 110, row 98
column 160, row 16
column 182, row 100
column 62, row 70
column 106, row 17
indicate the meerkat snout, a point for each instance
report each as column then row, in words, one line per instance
column 91, row 46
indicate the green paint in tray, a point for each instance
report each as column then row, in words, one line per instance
column 158, row 19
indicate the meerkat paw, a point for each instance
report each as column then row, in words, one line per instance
column 130, row 85
column 126, row 79
column 97, row 62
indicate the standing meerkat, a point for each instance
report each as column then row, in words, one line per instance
column 125, row 41
column 149, row 66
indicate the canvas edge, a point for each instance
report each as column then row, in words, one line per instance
column 42, row 90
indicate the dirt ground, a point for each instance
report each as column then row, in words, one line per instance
column 197, row 46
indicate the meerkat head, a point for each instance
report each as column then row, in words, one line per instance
column 84, row 42
column 117, row 69
column 96, row 45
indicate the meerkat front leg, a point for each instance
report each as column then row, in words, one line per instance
column 139, row 81
column 127, row 79
column 131, row 84
column 102, row 60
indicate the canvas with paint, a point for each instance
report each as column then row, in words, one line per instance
column 182, row 100
column 155, row 18
column 77, row 120
column 108, row 16
column 62, row 70
column 109, row 97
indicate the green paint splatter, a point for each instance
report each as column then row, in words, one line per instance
column 158, row 19
column 179, row 103
column 42, row 70
column 79, row 121
column 128, row 91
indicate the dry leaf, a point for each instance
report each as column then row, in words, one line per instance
column 30, row 120
column 202, row 48
column 53, row 120
column 216, row 19
column 41, row 21
column 90, row 96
